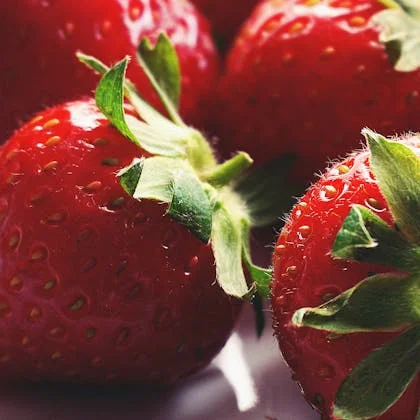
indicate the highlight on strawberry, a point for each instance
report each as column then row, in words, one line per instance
column 123, row 241
column 346, row 284
column 304, row 77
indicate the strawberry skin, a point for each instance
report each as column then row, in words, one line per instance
column 226, row 17
column 94, row 285
column 304, row 77
column 43, row 36
column 305, row 274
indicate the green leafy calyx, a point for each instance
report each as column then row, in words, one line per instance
column 178, row 167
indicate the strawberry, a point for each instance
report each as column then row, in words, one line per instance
column 106, row 277
column 44, row 36
column 303, row 77
column 345, row 289
column 226, row 17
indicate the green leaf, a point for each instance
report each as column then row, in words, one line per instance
column 266, row 193
column 226, row 240
column 171, row 181
column 384, row 302
column 259, row 275
column 191, row 205
column 156, row 180
column 147, row 112
column 400, row 33
column 130, row 176
column 92, row 63
column 365, row 237
column 157, row 135
column 200, row 154
column 110, row 98
column 380, row 379
column 161, row 65
column 397, row 170
column 158, row 139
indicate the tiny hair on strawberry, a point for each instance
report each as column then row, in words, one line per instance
column 39, row 39
column 305, row 76
column 124, row 243
column 346, row 284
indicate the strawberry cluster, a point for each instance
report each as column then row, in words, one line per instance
column 124, row 238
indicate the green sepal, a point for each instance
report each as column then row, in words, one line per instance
column 365, row 237
column 227, row 242
column 158, row 140
column 397, row 171
column 110, row 98
column 380, row 379
column 384, row 302
column 171, row 181
column 418, row 414
column 161, row 65
column 259, row 275
column 265, row 190
column 130, row 176
column 157, row 135
column 182, row 170
column 400, row 33
column 191, row 205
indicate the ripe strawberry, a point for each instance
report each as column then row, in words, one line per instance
column 43, row 36
column 94, row 283
column 303, row 77
column 311, row 267
column 106, row 277
column 226, row 17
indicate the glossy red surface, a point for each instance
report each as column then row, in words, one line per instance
column 40, row 38
column 94, row 285
column 306, row 79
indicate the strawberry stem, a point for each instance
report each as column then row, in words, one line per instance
column 223, row 174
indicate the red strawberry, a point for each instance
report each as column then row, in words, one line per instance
column 94, row 283
column 226, row 17
column 39, row 38
column 304, row 77
column 114, row 278
column 311, row 267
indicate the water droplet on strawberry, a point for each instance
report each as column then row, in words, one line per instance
column 192, row 263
